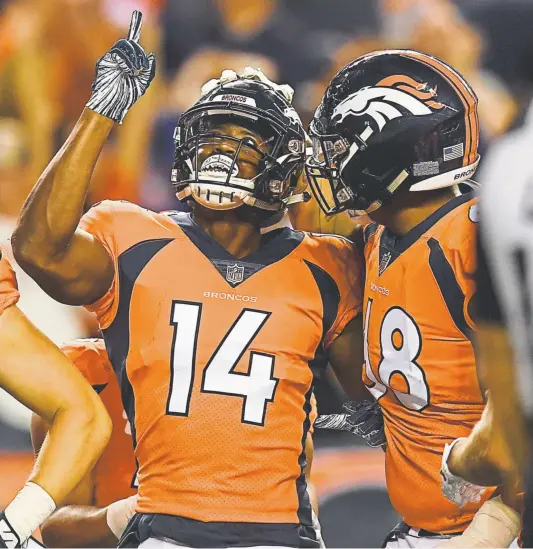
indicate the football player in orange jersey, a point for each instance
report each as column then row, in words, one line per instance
column 395, row 134
column 79, row 425
column 215, row 331
column 97, row 512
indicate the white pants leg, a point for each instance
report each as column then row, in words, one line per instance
column 413, row 540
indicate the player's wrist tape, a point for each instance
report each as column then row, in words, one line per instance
column 457, row 489
column 119, row 514
column 30, row 508
column 494, row 525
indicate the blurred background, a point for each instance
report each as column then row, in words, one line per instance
column 48, row 50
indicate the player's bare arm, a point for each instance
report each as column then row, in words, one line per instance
column 68, row 263
column 494, row 525
column 362, row 416
column 80, row 426
column 496, row 359
column 79, row 522
column 483, row 457
column 495, row 449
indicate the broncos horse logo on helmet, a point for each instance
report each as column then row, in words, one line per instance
column 390, row 120
column 384, row 103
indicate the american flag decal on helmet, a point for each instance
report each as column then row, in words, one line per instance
column 453, row 152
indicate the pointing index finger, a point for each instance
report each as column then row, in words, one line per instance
column 135, row 26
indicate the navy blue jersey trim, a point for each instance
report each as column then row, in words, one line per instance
column 117, row 336
column 276, row 245
column 449, row 287
column 394, row 245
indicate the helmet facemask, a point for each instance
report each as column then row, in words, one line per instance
column 334, row 160
column 226, row 158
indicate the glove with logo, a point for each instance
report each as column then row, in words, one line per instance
column 8, row 536
column 9, row 539
column 123, row 75
column 364, row 419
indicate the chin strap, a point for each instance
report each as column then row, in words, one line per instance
column 249, row 200
column 278, row 206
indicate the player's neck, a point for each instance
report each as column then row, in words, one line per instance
column 411, row 208
column 234, row 232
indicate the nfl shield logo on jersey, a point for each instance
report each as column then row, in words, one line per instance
column 235, row 274
column 384, row 263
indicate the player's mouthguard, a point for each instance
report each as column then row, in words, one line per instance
column 220, row 163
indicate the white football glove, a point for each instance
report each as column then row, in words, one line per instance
column 248, row 74
column 123, row 75
column 456, row 489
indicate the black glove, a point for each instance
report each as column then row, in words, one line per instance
column 123, row 75
column 8, row 537
column 364, row 419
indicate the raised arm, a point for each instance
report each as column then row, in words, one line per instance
column 67, row 262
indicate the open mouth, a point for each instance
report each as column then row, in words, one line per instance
column 220, row 163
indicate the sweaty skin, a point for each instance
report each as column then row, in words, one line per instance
column 483, row 458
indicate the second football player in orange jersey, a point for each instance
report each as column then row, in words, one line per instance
column 395, row 134
column 215, row 332
column 420, row 361
column 87, row 514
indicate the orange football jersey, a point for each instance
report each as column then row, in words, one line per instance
column 9, row 294
column 419, row 358
column 115, row 471
column 216, row 356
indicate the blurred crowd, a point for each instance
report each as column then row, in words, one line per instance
column 48, row 50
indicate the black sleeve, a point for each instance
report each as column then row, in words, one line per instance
column 488, row 306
